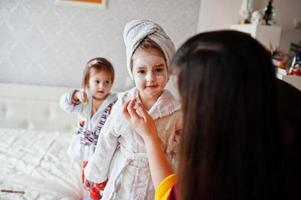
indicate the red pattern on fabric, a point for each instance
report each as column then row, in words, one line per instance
column 95, row 190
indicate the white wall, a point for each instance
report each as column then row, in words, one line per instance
column 220, row 14
column 45, row 44
column 286, row 12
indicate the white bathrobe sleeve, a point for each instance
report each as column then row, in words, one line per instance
column 67, row 105
column 98, row 165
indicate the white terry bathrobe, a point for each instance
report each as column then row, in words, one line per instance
column 120, row 154
column 84, row 139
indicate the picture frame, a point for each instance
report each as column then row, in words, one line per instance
column 101, row 4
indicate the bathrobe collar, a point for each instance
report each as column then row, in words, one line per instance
column 165, row 105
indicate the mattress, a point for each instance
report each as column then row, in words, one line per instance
column 36, row 164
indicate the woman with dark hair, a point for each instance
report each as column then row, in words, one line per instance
column 232, row 142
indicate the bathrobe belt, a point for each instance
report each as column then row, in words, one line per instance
column 127, row 157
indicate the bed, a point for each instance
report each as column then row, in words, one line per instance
column 34, row 136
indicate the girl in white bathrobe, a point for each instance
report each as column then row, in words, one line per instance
column 120, row 155
column 93, row 105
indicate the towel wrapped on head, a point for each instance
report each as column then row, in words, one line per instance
column 136, row 30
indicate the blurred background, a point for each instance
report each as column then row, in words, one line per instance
column 43, row 43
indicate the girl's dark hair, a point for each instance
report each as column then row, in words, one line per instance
column 98, row 64
column 231, row 142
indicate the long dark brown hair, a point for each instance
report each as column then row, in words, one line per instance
column 231, row 143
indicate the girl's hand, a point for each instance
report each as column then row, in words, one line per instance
column 80, row 96
column 141, row 121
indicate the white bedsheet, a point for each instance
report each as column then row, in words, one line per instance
column 37, row 163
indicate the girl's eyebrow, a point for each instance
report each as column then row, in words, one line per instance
column 159, row 65
column 141, row 67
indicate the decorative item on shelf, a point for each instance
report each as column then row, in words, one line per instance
column 245, row 11
column 295, row 68
column 256, row 17
column 280, row 59
column 269, row 14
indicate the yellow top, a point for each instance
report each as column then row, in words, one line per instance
column 163, row 190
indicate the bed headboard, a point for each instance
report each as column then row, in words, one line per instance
column 33, row 108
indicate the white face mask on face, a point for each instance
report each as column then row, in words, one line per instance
column 149, row 72
column 151, row 66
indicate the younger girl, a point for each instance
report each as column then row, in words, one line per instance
column 93, row 104
column 120, row 155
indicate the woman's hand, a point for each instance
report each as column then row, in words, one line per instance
column 144, row 125
column 141, row 121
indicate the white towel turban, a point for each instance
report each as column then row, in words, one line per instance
column 136, row 30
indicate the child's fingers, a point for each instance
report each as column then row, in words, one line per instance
column 80, row 96
column 83, row 98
